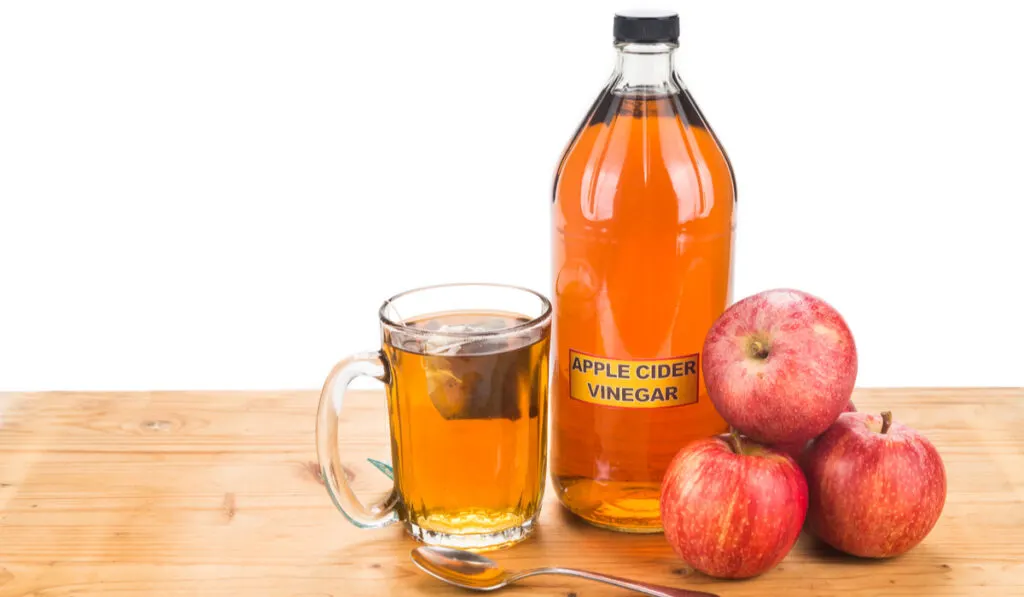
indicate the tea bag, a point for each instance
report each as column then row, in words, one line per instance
column 472, row 377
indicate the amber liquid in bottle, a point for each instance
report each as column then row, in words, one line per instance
column 643, row 224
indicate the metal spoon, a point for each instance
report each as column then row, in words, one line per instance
column 473, row 571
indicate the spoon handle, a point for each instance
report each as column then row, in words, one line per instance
column 635, row 585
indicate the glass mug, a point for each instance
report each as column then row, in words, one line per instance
column 466, row 370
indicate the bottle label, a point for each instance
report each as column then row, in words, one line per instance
column 654, row 383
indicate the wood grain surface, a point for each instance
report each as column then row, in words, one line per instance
column 217, row 493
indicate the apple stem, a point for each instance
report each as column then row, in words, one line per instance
column 734, row 441
column 886, row 421
column 758, row 350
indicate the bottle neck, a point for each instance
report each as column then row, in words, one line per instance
column 646, row 69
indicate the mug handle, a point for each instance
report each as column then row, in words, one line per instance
column 382, row 513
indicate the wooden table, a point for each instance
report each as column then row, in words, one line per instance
column 217, row 493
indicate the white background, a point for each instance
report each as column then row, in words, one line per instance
column 219, row 194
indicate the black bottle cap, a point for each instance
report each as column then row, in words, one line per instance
column 646, row 27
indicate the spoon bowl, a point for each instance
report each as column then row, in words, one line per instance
column 461, row 568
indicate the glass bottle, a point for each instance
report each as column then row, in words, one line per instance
column 643, row 221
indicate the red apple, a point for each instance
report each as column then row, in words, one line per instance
column 876, row 487
column 796, row 449
column 732, row 508
column 779, row 366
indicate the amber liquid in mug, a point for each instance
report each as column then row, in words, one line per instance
column 468, row 433
column 642, row 239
